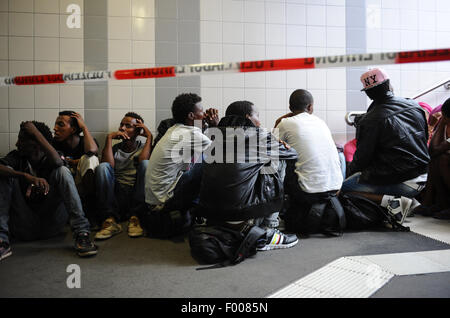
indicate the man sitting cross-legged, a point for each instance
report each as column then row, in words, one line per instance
column 120, row 177
column 38, row 194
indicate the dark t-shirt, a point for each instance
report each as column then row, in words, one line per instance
column 75, row 153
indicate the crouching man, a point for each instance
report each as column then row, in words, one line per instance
column 38, row 193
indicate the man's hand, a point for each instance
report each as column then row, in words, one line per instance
column 29, row 128
column 79, row 119
column 212, row 117
column 37, row 185
column 285, row 144
column 118, row 135
column 145, row 131
column 278, row 121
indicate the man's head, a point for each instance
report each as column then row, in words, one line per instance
column 66, row 126
column 446, row 109
column 301, row 101
column 376, row 83
column 128, row 125
column 245, row 109
column 186, row 108
column 27, row 145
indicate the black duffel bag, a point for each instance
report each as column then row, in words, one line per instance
column 162, row 223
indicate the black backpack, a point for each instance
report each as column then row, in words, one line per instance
column 223, row 246
column 325, row 216
column 165, row 224
column 362, row 214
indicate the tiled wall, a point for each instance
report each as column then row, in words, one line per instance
column 121, row 34
column 34, row 39
column 233, row 30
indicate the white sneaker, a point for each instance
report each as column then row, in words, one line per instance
column 399, row 208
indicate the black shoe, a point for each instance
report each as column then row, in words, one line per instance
column 84, row 245
column 5, row 250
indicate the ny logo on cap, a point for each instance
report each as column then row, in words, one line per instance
column 367, row 80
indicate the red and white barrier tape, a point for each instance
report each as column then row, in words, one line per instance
column 236, row 67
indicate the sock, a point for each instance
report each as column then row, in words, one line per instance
column 385, row 200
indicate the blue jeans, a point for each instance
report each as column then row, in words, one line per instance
column 47, row 218
column 186, row 192
column 118, row 200
column 352, row 184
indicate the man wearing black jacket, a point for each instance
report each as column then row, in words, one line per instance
column 241, row 179
column 390, row 163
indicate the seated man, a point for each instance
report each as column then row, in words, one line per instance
column 436, row 201
column 119, row 177
column 38, row 194
column 242, row 181
column 172, row 179
column 317, row 174
column 80, row 152
column 391, row 158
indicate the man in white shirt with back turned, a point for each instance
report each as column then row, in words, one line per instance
column 317, row 172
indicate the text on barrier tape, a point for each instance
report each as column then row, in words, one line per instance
column 234, row 67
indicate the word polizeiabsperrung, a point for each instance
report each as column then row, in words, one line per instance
column 422, row 56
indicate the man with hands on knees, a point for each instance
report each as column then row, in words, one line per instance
column 120, row 177
column 38, row 193
column 81, row 154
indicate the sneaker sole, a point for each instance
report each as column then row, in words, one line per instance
column 5, row 255
column 86, row 254
column 100, row 238
column 275, row 247
column 135, row 235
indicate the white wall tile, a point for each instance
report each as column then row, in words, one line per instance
column 46, row 116
column 295, row 14
column 254, row 33
column 20, row 48
column 316, row 15
column 143, row 29
column 255, row 79
column 119, row 8
column 21, row 24
column 211, row 10
column 143, row 52
column 120, row 97
column 296, row 79
column 143, row 8
column 296, row 35
column 276, row 100
column 119, row 51
column 46, row 49
column 336, row 78
column 119, row 28
column 254, row 11
column 276, row 79
column 275, row 12
column 336, row 100
column 143, row 97
column 16, row 116
column 231, row 95
column 4, row 123
column 21, row 5
column 4, row 144
column 46, row 6
column 335, row 16
column 232, row 10
column 210, row 32
column 20, row 68
column 257, row 96
column 316, row 79
column 44, row 67
column 67, row 32
column 316, row 36
column 46, row 96
column 275, row 34
column 3, row 23
column 211, row 53
column 46, row 25
column 71, row 50
column 71, row 97
column 336, row 37
column 233, row 32
column 64, row 4
column 4, row 98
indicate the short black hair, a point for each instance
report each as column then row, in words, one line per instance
column 44, row 130
column 379, row 91
column 183, row 105
column 446, row 108
column 134, row 115
column 73, row 121
column 300, row 99
column 240, row 108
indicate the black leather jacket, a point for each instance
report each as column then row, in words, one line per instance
column 391, row 142
column 249, row 188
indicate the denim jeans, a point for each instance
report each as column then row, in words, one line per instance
column 352, row 184
column 117, row 200
column 26, row 221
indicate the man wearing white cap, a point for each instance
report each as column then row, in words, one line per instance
column 391, row 158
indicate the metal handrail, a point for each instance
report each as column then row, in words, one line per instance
column 445, row 83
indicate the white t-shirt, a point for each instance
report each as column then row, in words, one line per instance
column 170, row 159
column 318, row 167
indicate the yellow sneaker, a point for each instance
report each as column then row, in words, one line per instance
column 134, row 227
column 109, row 229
